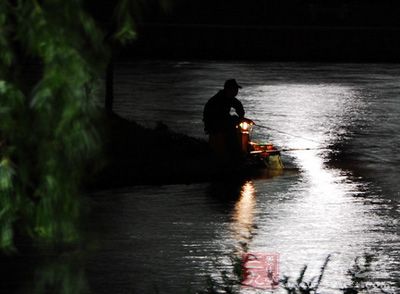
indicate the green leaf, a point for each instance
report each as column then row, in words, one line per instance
column 126, row 33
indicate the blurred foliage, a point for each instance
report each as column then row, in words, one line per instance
column 49, row 127
column 46, row 131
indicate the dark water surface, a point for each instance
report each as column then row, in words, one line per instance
column 343, row 199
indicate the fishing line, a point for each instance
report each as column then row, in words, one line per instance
column 301, row 149
column 279, row 131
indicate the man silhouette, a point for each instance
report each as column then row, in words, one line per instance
column 220, row 124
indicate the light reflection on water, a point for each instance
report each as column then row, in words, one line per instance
column 168, row 237
column 243, row 213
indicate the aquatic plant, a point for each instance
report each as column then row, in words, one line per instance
column 358, row 274
column 361, row 281
column 230, row 282
column 225, row 282
column 304, row 287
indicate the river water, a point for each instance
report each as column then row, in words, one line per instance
column 340, row 199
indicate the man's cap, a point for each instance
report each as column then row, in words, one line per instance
column 231, row 84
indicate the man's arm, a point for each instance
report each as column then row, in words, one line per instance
column 237, row 105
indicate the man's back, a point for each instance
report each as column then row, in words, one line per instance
column 216, row 115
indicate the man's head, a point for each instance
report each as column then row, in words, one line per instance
column 231, row 88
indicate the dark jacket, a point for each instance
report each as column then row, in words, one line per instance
column 216, row 115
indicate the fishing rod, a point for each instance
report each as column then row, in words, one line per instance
column 286, row 150
column 302, row 149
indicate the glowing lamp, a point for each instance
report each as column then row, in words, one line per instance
column 245, row 126
column 244, row 129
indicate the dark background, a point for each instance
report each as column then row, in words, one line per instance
column 340, row 30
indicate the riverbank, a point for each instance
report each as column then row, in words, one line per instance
column 137, row 155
